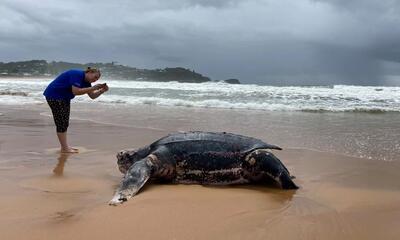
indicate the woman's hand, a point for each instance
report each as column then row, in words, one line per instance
column 105, row 87
column 97, row 87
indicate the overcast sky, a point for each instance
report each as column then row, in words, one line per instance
column 268, row 41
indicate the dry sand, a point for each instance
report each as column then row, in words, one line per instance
column 45, row 195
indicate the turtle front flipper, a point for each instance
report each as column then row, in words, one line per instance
column 133, row 181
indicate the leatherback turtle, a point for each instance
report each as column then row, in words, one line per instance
column 200, row 158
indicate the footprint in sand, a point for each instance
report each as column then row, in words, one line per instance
column 63, row 215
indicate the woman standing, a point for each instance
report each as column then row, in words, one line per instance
column 64, row 88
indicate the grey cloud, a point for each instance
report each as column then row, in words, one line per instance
column 214, row 3
column 277, row 42
column 365, row 5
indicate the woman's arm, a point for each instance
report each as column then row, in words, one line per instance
column 81, row 91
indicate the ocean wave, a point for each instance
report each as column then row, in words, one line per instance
column 333, row 98
column 354, row 110
column 226, row 104
column 13, row 93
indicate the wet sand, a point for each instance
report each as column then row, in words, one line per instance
column 47, row 195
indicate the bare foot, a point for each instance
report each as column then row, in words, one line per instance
column 70, row 150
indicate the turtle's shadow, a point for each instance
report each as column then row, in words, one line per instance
column 268, row 188
column 265, row 188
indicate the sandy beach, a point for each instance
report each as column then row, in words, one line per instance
column 47, row 195
column 317, row 82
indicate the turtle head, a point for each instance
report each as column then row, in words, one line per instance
column 126, row 158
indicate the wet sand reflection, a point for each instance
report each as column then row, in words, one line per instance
column 59, row 169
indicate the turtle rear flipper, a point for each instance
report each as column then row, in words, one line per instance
column 286, row 181
column 262, row 161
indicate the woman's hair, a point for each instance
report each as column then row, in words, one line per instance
column 92, row 70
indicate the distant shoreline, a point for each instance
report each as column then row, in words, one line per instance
column 43, row 68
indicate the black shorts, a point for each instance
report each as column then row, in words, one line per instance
column 60, row 109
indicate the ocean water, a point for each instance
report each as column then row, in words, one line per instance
column 337, row 98
column 356, row 121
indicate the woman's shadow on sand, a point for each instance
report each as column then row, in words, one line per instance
column 59, row 168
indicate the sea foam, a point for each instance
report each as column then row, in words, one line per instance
column 337, row 98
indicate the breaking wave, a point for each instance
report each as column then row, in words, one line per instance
column 336, row 98
column 14, row 93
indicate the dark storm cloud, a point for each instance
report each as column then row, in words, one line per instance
column 270, row 41
column 214, row 3
column 381, row 19
column 371, row 6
